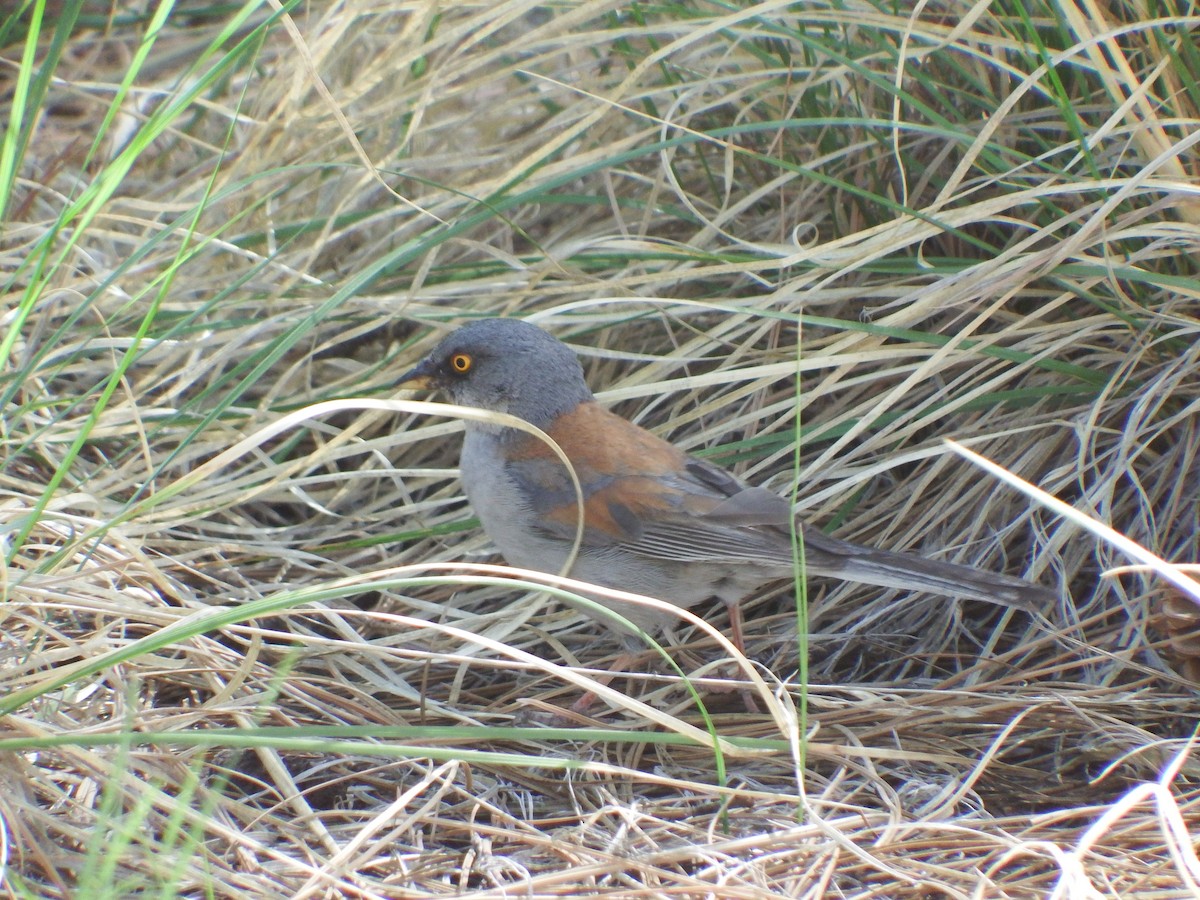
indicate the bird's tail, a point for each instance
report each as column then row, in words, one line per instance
column 824, row 555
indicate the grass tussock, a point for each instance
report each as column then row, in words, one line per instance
column 250, row 646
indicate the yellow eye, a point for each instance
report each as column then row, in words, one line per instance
column 461, row 363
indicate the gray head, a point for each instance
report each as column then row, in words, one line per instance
column 505, row 365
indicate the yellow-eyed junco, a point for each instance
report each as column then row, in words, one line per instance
column 656, row 520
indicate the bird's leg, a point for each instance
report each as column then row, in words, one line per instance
column 739, row 642
column 620, row 664
column 735, row 626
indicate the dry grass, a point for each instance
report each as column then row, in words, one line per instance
column 233, row 660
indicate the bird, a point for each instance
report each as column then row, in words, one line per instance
column 656, row 521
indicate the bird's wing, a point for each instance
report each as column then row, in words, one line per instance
column 646, row 495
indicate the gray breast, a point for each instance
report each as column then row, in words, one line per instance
column 503, row 510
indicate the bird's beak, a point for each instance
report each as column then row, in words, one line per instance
column 422, row 376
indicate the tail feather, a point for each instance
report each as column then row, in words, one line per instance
column 824, row 555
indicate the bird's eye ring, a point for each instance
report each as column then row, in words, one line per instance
column 461, row 363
